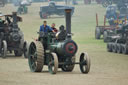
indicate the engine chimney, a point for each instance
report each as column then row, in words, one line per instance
column 14, row 16
column 68, row 22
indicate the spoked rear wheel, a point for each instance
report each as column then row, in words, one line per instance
column 4, row 49
column 105, row 35
column 114, row 47
column 69, row 68
column 119, row 48
column 36, row 56
column 97, row 33
column 124, row 48
column 85, row 63
column 53, row 63
column 109, row 47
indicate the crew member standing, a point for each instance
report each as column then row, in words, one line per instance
column 54, row 28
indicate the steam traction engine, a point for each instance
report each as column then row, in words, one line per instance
column 11, row 37
column 57, row 51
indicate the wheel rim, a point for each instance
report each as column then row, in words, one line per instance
column 109, row 47
column 4, row 49
column 105, row 36
column 36, row 57
column 31, row 57
column 84, row 63
column 26, row 50
column 118, row 48
column 114, row 48
column 124, row 49
column 33, row 61
column 53, row 63
column 97, row 33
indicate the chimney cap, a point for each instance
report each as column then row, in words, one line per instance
column 68, row 10
column 14, row 13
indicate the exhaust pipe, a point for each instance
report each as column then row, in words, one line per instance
column 68, row 22
column 14, row 16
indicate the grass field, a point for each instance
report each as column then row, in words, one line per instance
column 107, row 68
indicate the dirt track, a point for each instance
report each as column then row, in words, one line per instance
column 106, row 68
column 104, row 71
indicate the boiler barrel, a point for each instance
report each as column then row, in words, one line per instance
column 65, row 48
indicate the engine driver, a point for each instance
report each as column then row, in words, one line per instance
column 45, row 28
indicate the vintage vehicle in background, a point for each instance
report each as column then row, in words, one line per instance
column 2, row 3
column 115, row 20
column 57, row 51
column 119, row 3
column 53, row 9
column 123, row 7
column 22, row 9
column 102, row 29
column 118, row 43
column 23, row 2
column 11, row 37
column 108, row 30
